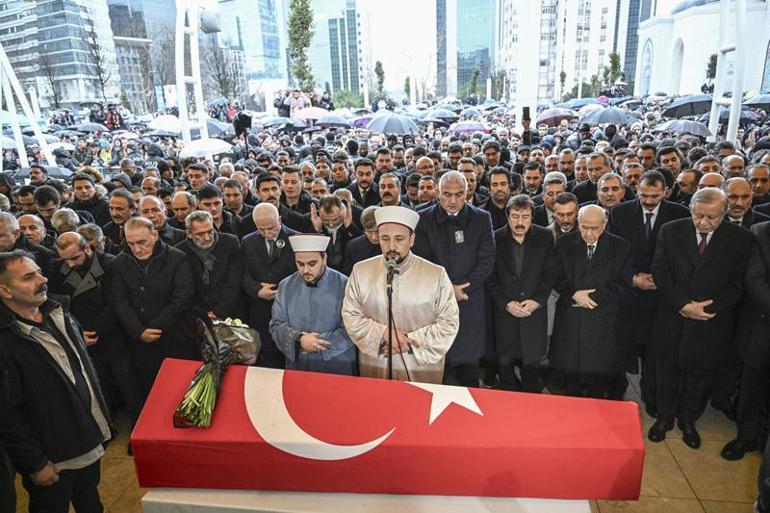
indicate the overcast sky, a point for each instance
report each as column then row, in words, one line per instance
column 402, row 36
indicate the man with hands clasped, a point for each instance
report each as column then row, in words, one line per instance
column 519, row 287
column 698, row 267
column 593, row 271
column 306, row 322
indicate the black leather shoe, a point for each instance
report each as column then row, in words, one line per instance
column 737, row 449
column 690, row 435
column 657, row 432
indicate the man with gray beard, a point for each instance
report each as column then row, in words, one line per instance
column 216, row 265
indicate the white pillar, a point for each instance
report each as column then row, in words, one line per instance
column 724, row 12
column 366, row 94
column 489, row 87
column 11, row 85
column 740, row 69
column 11, row 106
column 34, row 103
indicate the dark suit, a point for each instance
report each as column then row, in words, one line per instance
column 358, row 250
column 221, row 292
column 540, row 216
column 170, row 235
column 638, row 306
column 372, row 195
column 259, row 268
column 753, row 340
column 585, row 347
column 523, row 339
column 751, row 218
column 689, row 351
column 44, row 257
column 156, row 296
column 464, row 245
column 88, row 291
column 499, row 218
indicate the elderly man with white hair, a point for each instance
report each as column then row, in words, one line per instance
column 267, row 259
column 11, row 238
column 593, row 271
column 698, row 267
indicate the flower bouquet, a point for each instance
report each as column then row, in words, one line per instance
column 223, row 343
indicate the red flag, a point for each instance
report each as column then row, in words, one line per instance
column 301, row 431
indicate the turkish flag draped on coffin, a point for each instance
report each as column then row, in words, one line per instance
column 302, row 431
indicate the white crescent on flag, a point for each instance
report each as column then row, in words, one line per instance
column 266, row 407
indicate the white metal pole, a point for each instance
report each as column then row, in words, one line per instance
column 33, row 100
column 724, row 12
column 7, row 71
column 740, row 69
column 181, row 84
column 11, row 106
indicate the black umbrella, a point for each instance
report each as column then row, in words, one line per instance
column 693, row 105
column 68, row 133
column 276, row 121
column 392, row 124
column 609, row 115
column 53, row 172
column 444, row 115
column 760, row 101
column 724, row 116
column 333, row 122
column 91, row 127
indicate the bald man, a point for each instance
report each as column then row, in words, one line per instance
column 85, row 276
column 267, row 258
column 594, row 270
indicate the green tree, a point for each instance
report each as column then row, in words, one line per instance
column 327, row 87
column 408, row 87
column 615, row 71
column 498, row 84
column 473, row 84
column 348, row 99
column 562, row 80
column 300, row 37
column 380, row 79
column 711, row 68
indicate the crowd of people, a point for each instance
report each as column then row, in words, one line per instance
column 556, row 258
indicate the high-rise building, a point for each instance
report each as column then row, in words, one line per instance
column 339, row 55
column 546, row 48
column 258, row 27
column 47, row 42
column 465, row 42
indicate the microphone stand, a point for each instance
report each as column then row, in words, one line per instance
column 391, row 266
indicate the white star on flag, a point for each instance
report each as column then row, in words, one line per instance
column 444, row 395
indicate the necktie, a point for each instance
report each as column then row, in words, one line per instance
column 271, row 248
column 702, row 243
column 648, row 225
column 591, row 248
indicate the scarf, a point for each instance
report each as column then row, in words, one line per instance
column 206, row 256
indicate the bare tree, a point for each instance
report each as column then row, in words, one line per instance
column 220, row 72
column 47, row 68
column 99, row 62
column 162, row 65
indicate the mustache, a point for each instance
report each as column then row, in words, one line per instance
column 519, row 227
column 41, row 288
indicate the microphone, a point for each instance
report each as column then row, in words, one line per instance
column 391, row 264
